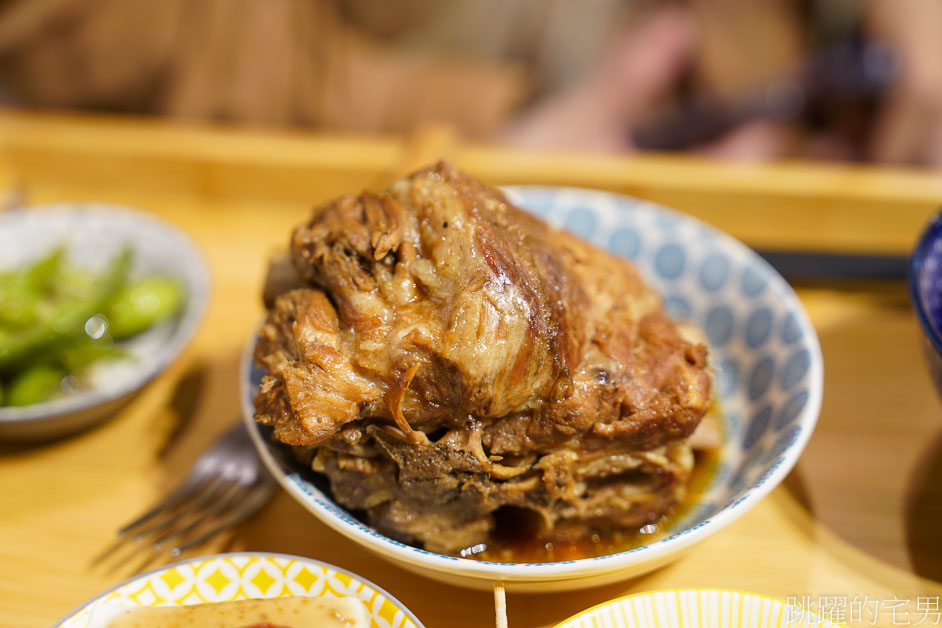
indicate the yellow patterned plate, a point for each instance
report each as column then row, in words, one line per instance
column 240, row 576
column 697, row 608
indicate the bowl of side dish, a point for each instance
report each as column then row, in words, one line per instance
column 693, row 608
column 767, row 369
column 95, row 301
column 244, row 589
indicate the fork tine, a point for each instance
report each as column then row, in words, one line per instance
column 226, row 485
column 207, row 493
column 108, row 551
column 192, row 510
column 197, row 477
column 190, row 486
column 183, row 492
column 149, row 558
column 213, row 510
column 258, row 496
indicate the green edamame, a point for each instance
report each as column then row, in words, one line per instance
column 21, row 292
column 35, row 384
column 57, row 320
column 142, row 304
column 67, row 319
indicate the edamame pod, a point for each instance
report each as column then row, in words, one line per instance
column 34, row 385
column 84, row 351
column 141, row 304
column 22, row 292
column 67, row 319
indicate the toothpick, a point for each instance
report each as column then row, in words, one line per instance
column 500, row 604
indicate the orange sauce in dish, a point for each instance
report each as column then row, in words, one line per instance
column 527, row 547
column 518, row 538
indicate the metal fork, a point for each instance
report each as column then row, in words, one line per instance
column 226, row 485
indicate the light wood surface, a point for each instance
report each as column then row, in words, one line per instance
column 860, row 516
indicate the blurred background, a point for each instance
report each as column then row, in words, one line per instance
column 742, row 79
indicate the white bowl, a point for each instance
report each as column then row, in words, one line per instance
column 240, row 576
column 693, row 608
column 769, row 376
column 92, row 235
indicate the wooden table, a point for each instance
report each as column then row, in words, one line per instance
column 860, row 516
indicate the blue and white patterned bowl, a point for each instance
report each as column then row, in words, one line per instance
column 925, row 291
column 769, row 377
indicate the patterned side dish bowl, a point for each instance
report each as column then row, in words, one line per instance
column 693, row 608
column 768, row 371
column 241, row 576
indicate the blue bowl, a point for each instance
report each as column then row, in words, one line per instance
column 925, row 290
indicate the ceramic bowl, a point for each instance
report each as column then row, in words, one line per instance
column 764, row 350
column 925, row 291
column 693, row 608
column 241, row 576
column 92, row 236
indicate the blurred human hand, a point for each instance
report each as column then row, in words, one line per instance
column 640, row 70
column 642, row 64
column 650, row 55
column 909, row 126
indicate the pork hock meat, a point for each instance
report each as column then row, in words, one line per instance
column 440, row 353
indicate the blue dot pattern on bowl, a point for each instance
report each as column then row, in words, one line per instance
column 764, row 350
column 581, row 221
column 791, row 331
column 753, row 282
column 714, row 272
column 719, row 325
column 758, row 327
column 795, row 368
column 678, row 307
column 791, row 409
column 669, row 261
column 760, row 377
column 625, row 242
column 757, row 428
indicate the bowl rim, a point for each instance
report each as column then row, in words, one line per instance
column 191, row 317
column 930, row 234
column 644, row 594
column 600, row 565
column 250, row 554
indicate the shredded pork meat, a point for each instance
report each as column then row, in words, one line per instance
column 440, row 353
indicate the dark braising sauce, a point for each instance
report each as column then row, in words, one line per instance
column 518, row 538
